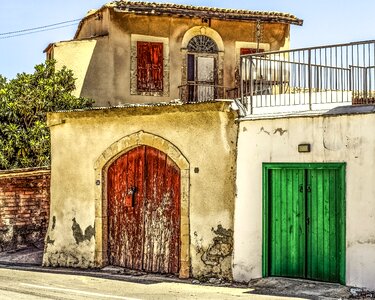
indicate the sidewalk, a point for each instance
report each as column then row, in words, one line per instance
column 31, row 255
column 30, row 259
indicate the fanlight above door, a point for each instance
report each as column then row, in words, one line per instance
column 202, row 44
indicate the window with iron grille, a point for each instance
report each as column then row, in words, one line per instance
column 149, row 67
column 202, row 44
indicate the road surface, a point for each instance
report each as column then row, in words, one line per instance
column 32, row 285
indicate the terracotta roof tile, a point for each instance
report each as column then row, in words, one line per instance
column 142, row 7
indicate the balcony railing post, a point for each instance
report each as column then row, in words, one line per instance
column 251, row 82
column 365, row 83
column 309, row 74
column 242, row 83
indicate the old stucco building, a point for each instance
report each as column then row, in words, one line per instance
column 155, row 192
column 269, row 185
column 141, row 52
column 152, row 186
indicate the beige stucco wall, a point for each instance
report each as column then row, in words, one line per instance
column 205, row 134
column 345, row 138
column 77, row 55
column 108, row 75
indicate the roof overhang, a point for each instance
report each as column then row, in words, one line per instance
column 152, row 8
column 189, row 11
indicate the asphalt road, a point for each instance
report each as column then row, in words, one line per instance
column 31, row 285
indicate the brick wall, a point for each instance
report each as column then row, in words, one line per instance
column 24, row 207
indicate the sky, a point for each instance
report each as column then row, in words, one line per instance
column 325, row 22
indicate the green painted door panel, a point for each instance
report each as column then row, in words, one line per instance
column 304, row 221
column 287, row 230
column 323, row 227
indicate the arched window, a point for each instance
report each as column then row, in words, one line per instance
column 202, row 44
column 202, row 69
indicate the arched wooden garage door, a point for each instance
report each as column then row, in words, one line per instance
column 144, row 211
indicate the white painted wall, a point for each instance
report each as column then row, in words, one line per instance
column 299, row 102
column 345, row 138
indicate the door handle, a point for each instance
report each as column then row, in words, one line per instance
column 132, row 192
column 301, row 188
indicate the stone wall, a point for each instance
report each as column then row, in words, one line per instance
column 24, row 207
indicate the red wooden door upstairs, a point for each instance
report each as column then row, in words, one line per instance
column 143, row 189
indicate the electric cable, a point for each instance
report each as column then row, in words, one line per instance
column 35, row 31
column 40, row 27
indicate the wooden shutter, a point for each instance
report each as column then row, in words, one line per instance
column 149, row 67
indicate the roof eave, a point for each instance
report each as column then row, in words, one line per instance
column 50, row 45
column 267, row 17
column 217, row 15
column 153, row 8
column 90, row 14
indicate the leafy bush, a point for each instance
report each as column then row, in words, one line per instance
column 24, row 102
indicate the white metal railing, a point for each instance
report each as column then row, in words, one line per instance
column 308, row 78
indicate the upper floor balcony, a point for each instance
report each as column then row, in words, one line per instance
column 316, row 78
column 205, row 91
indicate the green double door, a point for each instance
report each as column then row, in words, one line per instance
column 304, row 221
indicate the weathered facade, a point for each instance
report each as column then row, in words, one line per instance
column 139, row 52
column 325, row 229
column 156, row 167
column 195, row 189
column 24, row 207
column 156, row 181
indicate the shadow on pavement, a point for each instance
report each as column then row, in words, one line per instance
column 305, row 289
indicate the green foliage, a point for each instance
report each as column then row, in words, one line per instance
column 24, row 103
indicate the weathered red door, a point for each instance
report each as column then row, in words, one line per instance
column 144, row 211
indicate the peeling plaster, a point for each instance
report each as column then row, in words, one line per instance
column 49, row 241
column 217, row 256
column 53, row 223
column 263, row 130
column 70, row 257
column 369, row 241
column 78, row 234
column 280, row 131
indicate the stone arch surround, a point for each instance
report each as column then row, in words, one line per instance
column 101, row 166
column 202, row 30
